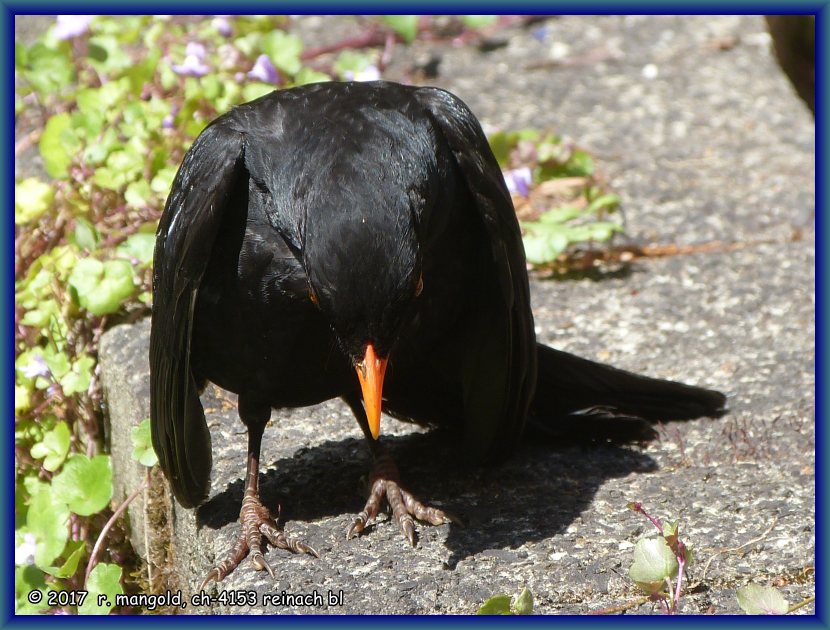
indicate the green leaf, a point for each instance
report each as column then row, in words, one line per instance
column 351, row 61
column 230, row 94
column 88, row 126
column 47, row 520
column 55, row 151
column 580, row 164
column 163, row 180
column 308, row 75
column 143, row 451
column 21, row 399
column 86, row 236
column 256, row 89
column 97, row 152
column 32, row 198
column 21, row 56
column 479, row 21
column 102, row 99
column 102, row 287
column 138, row 247
column 134, row 116
column 143, row 72
column 48, row 69
column 54, row 447
column 653, row 562
column 404, row 25
column 761, row 600
column 138, row 194
column 104, row 579
column 524, row 603
column 496, row 605
column 169, row 79
column 598, row 231
column 604, row 202
column 79, row 378
column 284, row 51
column 26, row 580
column 40, row 317
column 670, row 534
column 544, row 243
column 107, row 55
column 56, row 361
column 76, row 551
column 501, row 144
column 249, row 44
column 123, row 167
column 211, row 87
column 126, row 28
column 85, row 484
column 561, row 215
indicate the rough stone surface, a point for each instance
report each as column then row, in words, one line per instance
column 700, row 133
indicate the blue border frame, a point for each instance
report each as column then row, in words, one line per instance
column 822, row 24
column 6, row 309
column 9, row 9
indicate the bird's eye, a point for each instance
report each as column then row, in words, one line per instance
column 312, row 296
column 420, row 286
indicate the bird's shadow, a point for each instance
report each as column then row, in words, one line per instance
column 533, row 495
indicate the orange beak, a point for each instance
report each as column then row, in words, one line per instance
column 370, row 373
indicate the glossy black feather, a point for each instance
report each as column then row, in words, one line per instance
column 184, row 244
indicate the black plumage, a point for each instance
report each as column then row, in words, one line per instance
column 317, row 233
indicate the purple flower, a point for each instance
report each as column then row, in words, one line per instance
column 193, row 65
column 69, row 26
column 222, row 25
column 518, row 180
column 539, row 34
column 169, row 120
column 25, row 553
column 37, row 367
column 264, row 70
column 369, row 73
column 195, row 49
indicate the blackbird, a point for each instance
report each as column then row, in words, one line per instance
column 357, row 240
column 794, row 43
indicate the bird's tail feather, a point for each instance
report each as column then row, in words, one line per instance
column 577, row 397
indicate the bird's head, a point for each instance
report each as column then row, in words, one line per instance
column 364, row 269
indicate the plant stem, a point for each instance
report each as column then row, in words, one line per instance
column 681, row 562
column 610, row 610
column 103, row 535
column 800, row 604
column 638, row 507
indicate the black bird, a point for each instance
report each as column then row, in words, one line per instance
column 319, row 235
column 794, row 43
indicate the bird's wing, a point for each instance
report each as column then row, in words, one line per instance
column 500, row 372
column 184, row 241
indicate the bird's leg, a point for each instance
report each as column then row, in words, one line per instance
column 256, row 521
column 384, row 483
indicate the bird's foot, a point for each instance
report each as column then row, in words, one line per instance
column 256, row 522
column 384, row 483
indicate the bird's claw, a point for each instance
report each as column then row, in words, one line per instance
column 404, row 506
column 357, row 526
column 256, row 523
column 214, row 575
column 260, row 564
